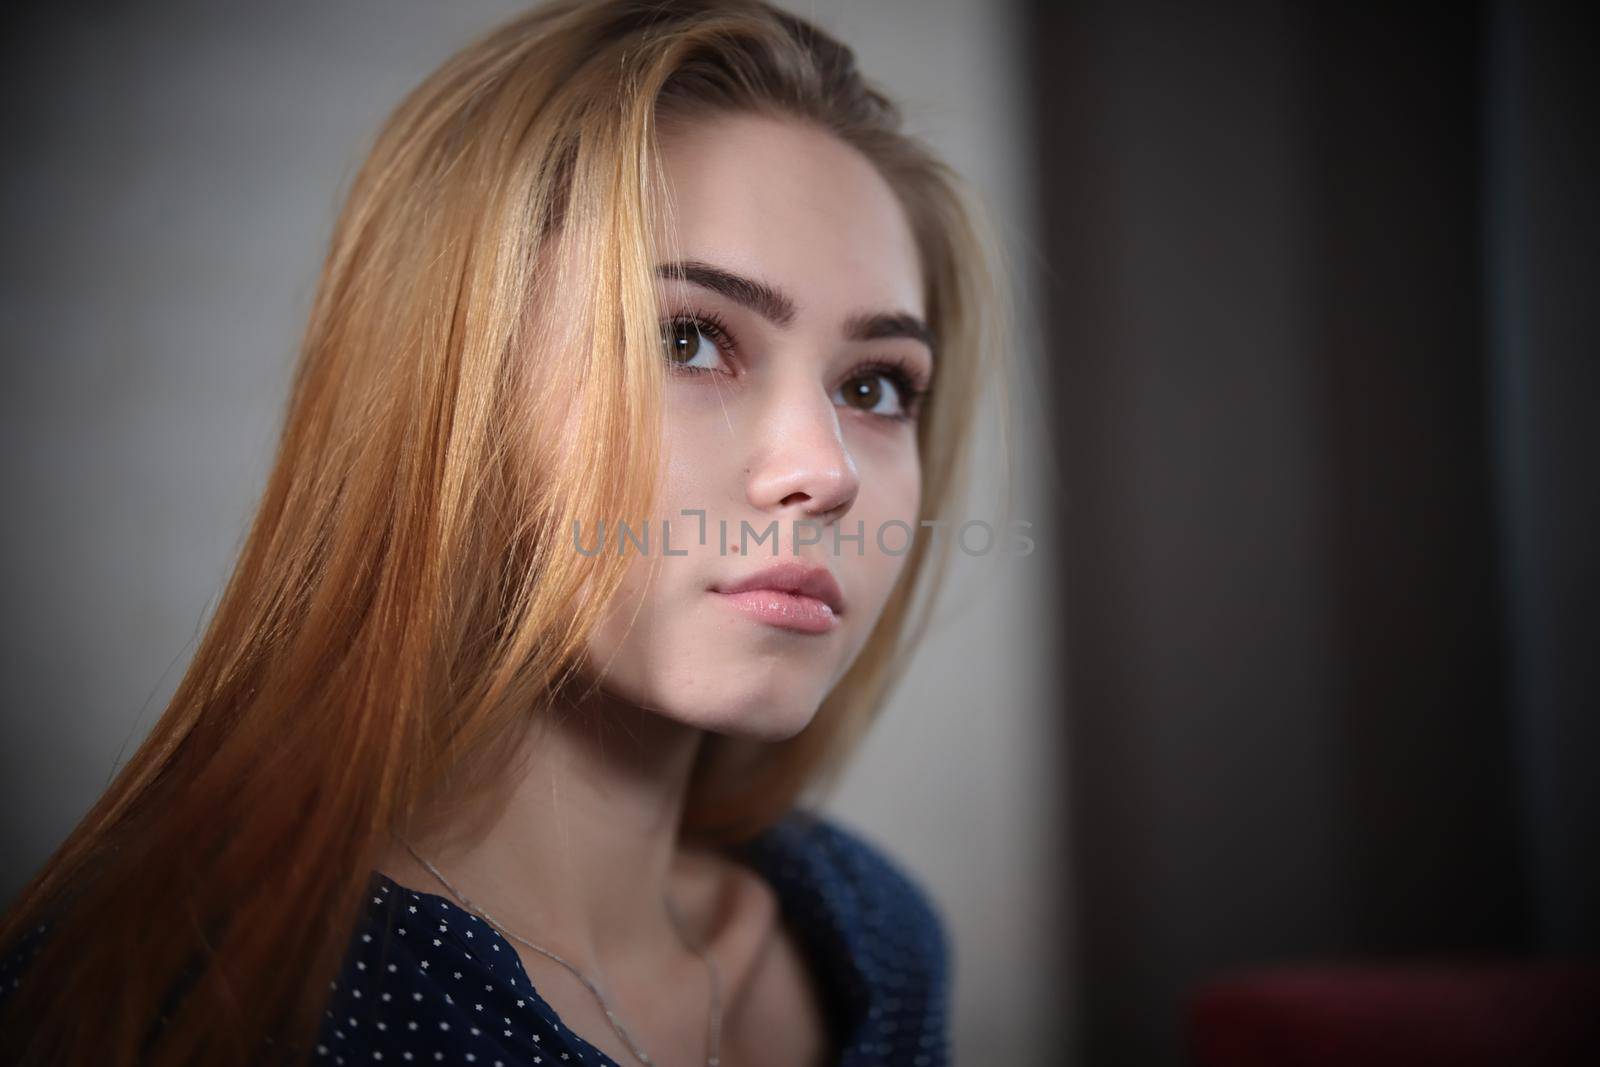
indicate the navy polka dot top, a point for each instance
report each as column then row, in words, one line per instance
column 426, row 982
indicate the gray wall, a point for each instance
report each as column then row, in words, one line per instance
column 173, row 174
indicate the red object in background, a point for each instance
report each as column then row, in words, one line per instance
column 1462, row 1014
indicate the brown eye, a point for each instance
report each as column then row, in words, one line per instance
column 690, row 345
column 877, row 391
column 864, row 392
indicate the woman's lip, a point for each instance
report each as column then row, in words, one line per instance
column 789, row 611
column 793, row 577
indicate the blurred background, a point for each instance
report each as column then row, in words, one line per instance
column 1290, row 717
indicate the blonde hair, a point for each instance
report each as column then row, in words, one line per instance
column 408, row 595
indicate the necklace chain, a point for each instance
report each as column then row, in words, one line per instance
column 713, row 1024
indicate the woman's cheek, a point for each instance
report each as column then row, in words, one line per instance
column 890, row 469
column 697, row 439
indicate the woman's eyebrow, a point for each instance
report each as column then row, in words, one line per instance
column 778, row 308
column 874, row 326
column 771, row 304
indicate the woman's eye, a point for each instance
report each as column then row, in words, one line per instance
column 690, row 345
column 876, row 392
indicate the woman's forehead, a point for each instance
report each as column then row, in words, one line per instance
column 787, row 202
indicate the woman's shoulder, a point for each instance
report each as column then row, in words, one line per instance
column 424, row 980
column 872, row 929
column 849, row 873
column 15, row 955
column 828, row 847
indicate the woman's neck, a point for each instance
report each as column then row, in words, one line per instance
column 586, row 844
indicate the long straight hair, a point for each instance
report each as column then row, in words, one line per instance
column 408, row 599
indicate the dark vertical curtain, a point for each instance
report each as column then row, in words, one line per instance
column 1319, row 313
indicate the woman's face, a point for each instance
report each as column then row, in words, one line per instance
column 792, row 320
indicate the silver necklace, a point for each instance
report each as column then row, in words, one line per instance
column 713, row 1025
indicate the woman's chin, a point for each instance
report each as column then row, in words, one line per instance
column 750, row 716
column 739, row 697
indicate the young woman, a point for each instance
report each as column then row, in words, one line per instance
column 644, row 341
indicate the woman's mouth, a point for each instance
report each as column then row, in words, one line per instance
column 793, row 596
column 802, row 613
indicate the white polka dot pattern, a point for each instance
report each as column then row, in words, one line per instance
column 424, row 982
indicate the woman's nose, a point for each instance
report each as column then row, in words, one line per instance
column 802, row 462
